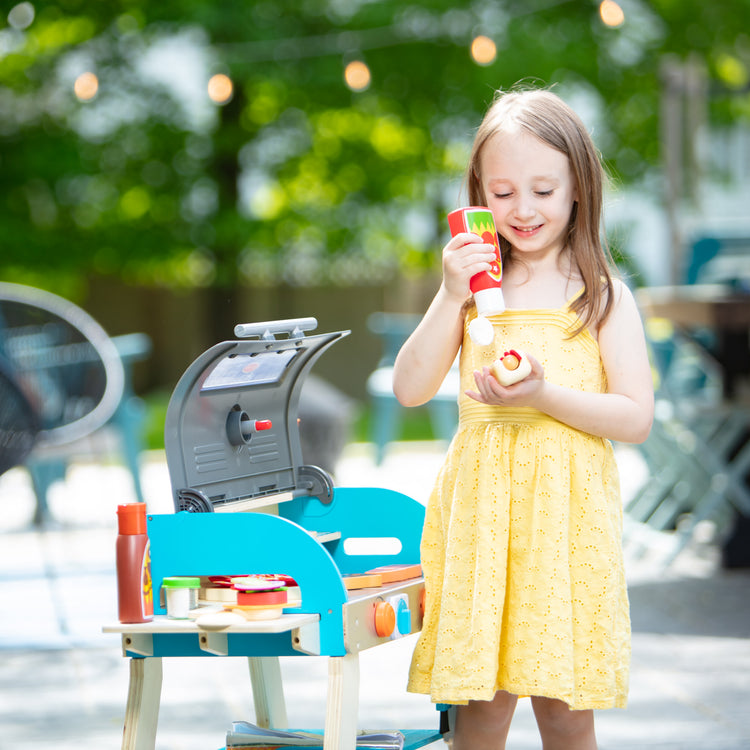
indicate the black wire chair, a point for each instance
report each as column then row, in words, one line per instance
column 65, row 362
column 19, row 422
column 68, row 369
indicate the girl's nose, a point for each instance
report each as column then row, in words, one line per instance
column 524, row 209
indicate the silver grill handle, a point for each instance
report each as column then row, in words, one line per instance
column 294, row 327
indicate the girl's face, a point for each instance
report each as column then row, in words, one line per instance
column 530, row 191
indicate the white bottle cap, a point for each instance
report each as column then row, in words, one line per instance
column 481, row 331
column 489, row 301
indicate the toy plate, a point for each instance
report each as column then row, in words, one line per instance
column 257, row 583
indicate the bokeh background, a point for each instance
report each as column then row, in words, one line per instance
column 177, row 167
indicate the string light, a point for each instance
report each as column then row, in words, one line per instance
column 483, row 50
column 21, row 16
column 220, row 88
column 611, row 13
column 357, row 75
column 86, row 86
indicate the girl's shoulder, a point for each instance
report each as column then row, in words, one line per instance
column 621, row 293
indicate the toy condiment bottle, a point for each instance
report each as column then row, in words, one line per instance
column 487, row 285
column 135, row 598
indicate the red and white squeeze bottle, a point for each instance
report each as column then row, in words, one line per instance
column 487, row 285
column 135, row 597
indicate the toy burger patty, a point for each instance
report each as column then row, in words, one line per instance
column 261, row 598
column 513, row 366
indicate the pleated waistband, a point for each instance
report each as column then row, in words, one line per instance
column 476, row 413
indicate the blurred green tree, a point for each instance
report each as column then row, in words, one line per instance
column 114, row 160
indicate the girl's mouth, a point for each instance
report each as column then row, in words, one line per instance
column 527, row 231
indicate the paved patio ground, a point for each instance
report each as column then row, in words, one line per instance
column 63, row 683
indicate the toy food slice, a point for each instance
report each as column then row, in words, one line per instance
column 353, row 581
column 261, row 612
column 261, row 598
column 224, row 582
column 513, row 366
column 257, row 583
column 399, row 572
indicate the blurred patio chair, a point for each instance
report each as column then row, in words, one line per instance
column 73, row 375
column 698, row 452
column 393, row 329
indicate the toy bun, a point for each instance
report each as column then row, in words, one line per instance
column 513, row 366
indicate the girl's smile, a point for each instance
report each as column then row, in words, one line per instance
column 527, row 231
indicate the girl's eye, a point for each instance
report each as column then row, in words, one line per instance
column 544, row 193
column 502, row 195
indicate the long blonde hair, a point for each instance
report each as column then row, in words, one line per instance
column 546, row 116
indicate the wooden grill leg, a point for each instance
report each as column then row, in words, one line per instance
column 268, row 692
column 342, row 705
column 142, row 710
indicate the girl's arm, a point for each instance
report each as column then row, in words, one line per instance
column 427, row 355
column 624, row 413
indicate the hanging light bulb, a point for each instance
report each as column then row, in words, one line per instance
column 86, row 86
column 611, row 13
column 21, row 16
column 220, row 88
column 357, row 75
column 483, row 50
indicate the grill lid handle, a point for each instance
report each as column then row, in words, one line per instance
column 294, row 327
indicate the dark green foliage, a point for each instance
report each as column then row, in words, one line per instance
column 297, row 177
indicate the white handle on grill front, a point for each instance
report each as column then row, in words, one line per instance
column 295, row 327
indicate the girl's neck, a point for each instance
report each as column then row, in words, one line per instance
column 547, row 282
column 558, row 262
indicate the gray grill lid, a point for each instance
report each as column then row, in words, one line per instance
column 231, row 433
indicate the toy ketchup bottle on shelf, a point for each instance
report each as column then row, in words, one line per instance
column 487, row 285
column 135, row 598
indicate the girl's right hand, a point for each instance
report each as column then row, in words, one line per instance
column 429, row 352
column 464, row 256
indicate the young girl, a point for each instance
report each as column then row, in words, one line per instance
column 525, row 589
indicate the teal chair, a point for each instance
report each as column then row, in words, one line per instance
column 393, row 329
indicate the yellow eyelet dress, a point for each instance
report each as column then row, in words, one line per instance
column 521, row 550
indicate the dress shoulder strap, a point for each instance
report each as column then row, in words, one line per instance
column 572, row 299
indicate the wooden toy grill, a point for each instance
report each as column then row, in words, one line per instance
column 247, row 504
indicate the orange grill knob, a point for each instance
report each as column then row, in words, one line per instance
column 422, row 602
column 385, row 619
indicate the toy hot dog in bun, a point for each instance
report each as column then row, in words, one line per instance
column 513, row 366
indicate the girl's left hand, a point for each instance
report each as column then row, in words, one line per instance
column 489, row 391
